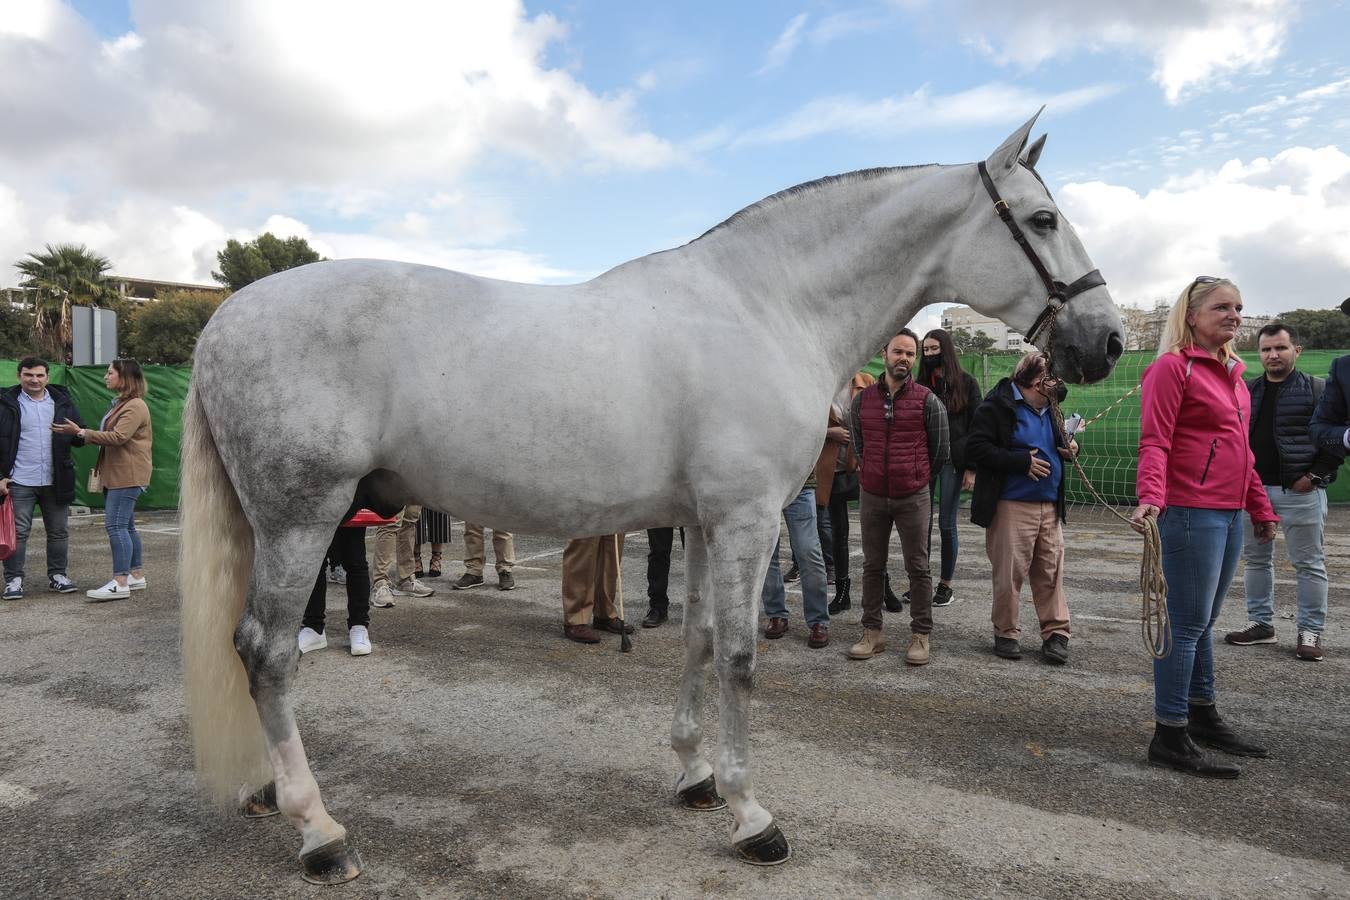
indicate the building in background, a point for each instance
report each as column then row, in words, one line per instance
column 962, row 320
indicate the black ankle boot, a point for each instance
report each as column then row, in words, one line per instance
column 1172, row 748
column 1206, row 727
column 841, row 599
column 893, row 603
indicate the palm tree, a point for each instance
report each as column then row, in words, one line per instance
column 60, row 276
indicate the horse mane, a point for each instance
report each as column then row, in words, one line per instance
column 806, row 188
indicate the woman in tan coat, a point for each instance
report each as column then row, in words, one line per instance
column 123, row 468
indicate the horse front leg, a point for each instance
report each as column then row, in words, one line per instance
column 739, row 559
column 265, row 641
column 696, row 787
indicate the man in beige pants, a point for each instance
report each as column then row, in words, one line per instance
column 475, row 555
column 590, row 575
column 394, row 547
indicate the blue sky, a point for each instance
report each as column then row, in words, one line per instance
column 551, row 141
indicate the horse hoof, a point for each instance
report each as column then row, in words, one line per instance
column 261, row 803
column 768, row 848
column 702, row 797
column 333, row 863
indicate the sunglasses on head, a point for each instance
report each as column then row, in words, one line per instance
column 1199, row 280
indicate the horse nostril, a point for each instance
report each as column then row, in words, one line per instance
column 1114, row 347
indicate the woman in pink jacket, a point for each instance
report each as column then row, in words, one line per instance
column 1197, row 475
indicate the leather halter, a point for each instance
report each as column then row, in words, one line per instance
column 1057, row 292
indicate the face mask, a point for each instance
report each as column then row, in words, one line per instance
column 931, row 364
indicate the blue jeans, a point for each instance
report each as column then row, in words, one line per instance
column 1200, row 549
column 948, row 490
column 55, row 519
column 119, row 518
column 800, row 516
column 1302, row 517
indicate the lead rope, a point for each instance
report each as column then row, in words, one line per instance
column 625, row 642
column 1154, row 624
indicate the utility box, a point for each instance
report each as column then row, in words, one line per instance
column 93, row 335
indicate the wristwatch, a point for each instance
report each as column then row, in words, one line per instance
column 1319, row 481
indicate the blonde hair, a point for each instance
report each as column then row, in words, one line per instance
column 1177, row 333
column 133, row 379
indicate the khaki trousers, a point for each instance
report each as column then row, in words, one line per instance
column 394, row 544
column 589, row 578
column 1025, row 542
column 910, row 517
column 475, row 554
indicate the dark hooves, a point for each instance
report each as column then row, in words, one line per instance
column 768, row 848
column 261, row 803
column 702, row 797
column 333, row 863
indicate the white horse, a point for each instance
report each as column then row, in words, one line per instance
column 687, row 387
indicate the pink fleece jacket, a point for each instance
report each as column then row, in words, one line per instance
column 1193, row 444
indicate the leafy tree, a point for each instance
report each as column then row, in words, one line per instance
column 966, row 342
column 59, row 277
column 16, row 332
column 242, row 264
column 165, row 331
column 1319, row 329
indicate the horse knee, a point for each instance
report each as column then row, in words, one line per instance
column 266, row 668
column 737, row 670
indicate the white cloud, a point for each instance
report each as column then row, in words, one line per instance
column 988, row 104
column 1279, row 227
column 1191, row 42
column 784, row 45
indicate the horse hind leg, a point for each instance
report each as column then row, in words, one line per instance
column 697, row 786
column 265, row 640
column 738, row 554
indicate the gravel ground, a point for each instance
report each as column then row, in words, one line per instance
column 477, row 753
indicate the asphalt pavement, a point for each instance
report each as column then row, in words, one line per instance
column 477, row 753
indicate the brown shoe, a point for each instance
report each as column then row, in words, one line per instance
column 1309, row 646
column 870, row 645
column 775, row 629
column 820, row 636
column 582, row 634
column 613, row 626
column 917, row 654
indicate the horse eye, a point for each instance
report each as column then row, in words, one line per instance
column 1043, row 220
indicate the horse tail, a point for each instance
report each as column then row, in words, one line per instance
column 216, row 560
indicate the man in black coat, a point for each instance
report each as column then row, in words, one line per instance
column 1018, row 454
column 37, row 469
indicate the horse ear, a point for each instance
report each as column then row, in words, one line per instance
column 1004, row 159
column 1034, row 153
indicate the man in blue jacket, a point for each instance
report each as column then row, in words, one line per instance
column 37, row 469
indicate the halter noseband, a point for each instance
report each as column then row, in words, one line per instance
column 1058, row 293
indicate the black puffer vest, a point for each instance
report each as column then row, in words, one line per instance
column 1293, row 411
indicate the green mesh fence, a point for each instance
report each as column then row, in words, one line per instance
column 1110, row 446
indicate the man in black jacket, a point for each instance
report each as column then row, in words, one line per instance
column 1295, row 473
column 1018, row 453
column 37, row 469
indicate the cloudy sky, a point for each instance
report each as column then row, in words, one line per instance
column 549, row 141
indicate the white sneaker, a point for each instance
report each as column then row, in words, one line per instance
column 360, row 638
column 411, row 587
column 309, row 639
column 337, row 575
column 135, row 584
column 110, row 591
column 382, row 597
column 14, row 589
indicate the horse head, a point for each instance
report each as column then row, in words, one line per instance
column 1023, row 258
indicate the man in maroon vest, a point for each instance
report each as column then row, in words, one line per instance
column 899, row 432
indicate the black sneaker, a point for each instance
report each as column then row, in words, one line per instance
column 792, row 574
column 505, row 581
column 1254, row 633
column 1055, row 649
column 943, row 596
column 467, row 580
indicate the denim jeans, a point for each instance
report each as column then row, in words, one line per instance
column 826, row 535
column 947, row 487
column 55, row 519
column 800, row 516
column 1200, row 550
column 1302, row 517
column 119, row 518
